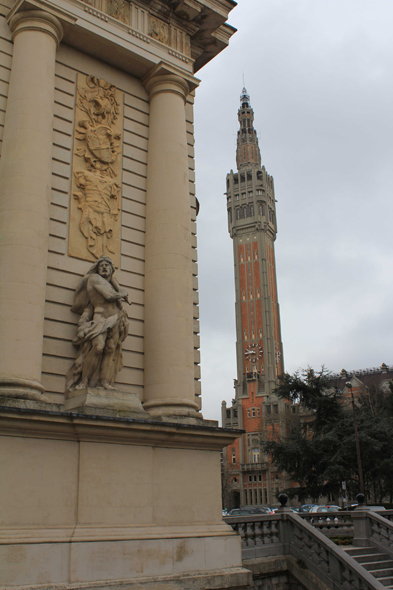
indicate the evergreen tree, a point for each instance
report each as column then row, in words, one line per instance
column 318, row 449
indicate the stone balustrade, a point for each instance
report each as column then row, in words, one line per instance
column 286, row 533
column 331, row 524
column 388, row 514
column 373, row 530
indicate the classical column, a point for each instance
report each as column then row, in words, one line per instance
column 25, row 184
column 169, row 347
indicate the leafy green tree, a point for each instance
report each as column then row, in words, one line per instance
column 318, row 448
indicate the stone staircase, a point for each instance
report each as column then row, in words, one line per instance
column 376, row 563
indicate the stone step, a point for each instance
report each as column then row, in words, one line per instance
column 370, row 557
column 381, row 573
column 386, row 581
column 376, row 565
column 355, row 551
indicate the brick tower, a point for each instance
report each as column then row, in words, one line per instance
column 252, row 226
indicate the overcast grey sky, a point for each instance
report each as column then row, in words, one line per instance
column 320, row 77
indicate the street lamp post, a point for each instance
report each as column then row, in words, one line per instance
column 355, row 425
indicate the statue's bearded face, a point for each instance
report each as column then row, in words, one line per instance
column 105, row 269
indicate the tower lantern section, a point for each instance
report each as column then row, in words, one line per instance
column 247, row 153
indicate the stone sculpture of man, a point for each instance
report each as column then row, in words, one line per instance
column 102, row 328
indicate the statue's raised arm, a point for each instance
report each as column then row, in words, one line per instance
column 102, row 328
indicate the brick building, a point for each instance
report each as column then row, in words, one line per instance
column 252, row 226
column 364, row 380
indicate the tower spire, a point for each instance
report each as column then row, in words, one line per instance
column 247, row 152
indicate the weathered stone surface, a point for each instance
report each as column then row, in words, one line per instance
column 100, row 402
column 281, row 573
column 85, row 499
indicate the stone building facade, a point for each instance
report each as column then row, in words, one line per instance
column 252, row 224
column 78, row 56
column 109, row 471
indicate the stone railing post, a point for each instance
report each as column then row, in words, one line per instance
column 361, row 523
column 284, row 526
column 25, row 184
column 169, row 342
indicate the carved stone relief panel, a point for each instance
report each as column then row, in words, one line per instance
column 96, row 177
column 169, row 35
column 158, row 30
column 118, row 9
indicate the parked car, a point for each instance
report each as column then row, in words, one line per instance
column 325, row 508
column 258, row 509
column 306, row 507
column 239, row 512
column 372, row 508
column 248, row 510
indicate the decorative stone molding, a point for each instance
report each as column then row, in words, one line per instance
column 96, row 13
column 96, row 182
column 167, row 83
column 36, row 20
column 66, row 426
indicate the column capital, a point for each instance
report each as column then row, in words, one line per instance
column 36, row 20
column 164, row 78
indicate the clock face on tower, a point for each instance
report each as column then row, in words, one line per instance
column 254, row 351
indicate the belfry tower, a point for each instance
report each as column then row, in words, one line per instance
column 252, row 226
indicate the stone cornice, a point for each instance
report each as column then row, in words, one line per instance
column 79, row 427
column 88, row 29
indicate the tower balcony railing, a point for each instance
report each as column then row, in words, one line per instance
column 261, row 466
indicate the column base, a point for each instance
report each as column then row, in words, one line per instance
column 22, row 389
column 174, row 410
column 98, row 401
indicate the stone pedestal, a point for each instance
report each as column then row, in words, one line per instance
column 98, row 502
column 102, row 402
column 361, row 526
